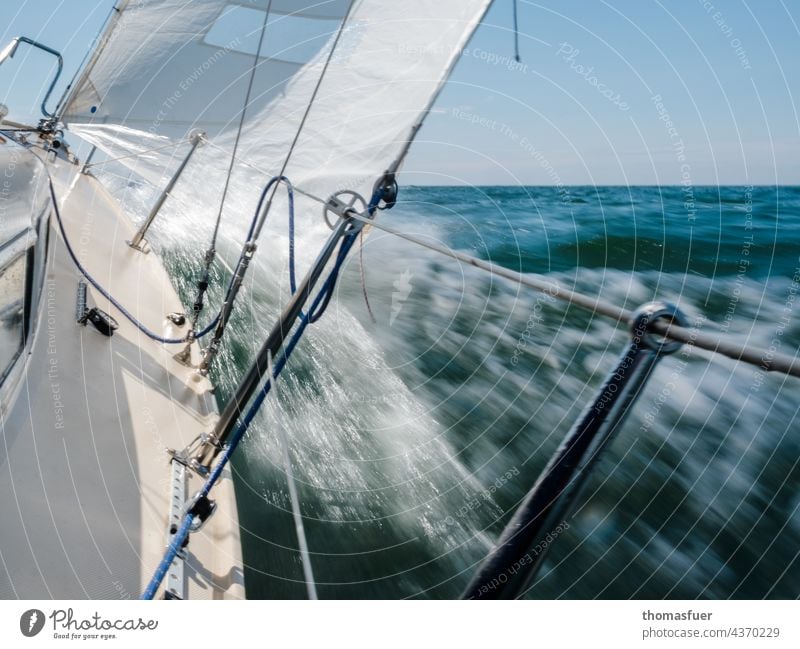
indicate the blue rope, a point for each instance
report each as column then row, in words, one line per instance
column 211, row 325
column 251, row 231
column 267, row 187
column 316, row 315
column 183, row 531
column 290, row 196
column 290, row 192
column 147, row 332
column 318, row 307
column 172, row 551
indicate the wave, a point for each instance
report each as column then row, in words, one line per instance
column 413, row 437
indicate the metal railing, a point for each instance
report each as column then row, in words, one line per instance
column 511, row 565
column 138, row 242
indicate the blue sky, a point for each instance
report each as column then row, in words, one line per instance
column 608, row 92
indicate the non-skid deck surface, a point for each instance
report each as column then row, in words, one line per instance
column 83, row 470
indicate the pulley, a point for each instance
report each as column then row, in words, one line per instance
column 384, row 192
column 342, row 202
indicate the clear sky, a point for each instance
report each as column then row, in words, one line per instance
column 588, row 104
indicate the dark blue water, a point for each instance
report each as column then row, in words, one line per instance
column 415, row 435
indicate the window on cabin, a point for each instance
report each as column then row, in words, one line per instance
column 12, row 312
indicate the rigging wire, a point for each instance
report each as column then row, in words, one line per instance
column 516, row 31
column 313, row 97
column 241, row 122
column 211, row 251
column 764, row 359
column 261, row 217
column 302, row 542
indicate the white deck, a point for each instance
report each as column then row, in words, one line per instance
column 84, row 476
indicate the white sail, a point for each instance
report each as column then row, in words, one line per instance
column 171, row 66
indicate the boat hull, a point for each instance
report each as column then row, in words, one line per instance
column 84, row 472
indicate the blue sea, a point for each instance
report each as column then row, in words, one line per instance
column 415, row 432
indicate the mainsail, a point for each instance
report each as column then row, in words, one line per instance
column 167, row 67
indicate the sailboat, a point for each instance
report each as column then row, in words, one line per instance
column 109, row 419
column 116, row 477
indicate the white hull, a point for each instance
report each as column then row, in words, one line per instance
column 86, row 422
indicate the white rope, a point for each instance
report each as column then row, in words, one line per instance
column 305, row 557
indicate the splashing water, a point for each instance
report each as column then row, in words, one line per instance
column 413, row 438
